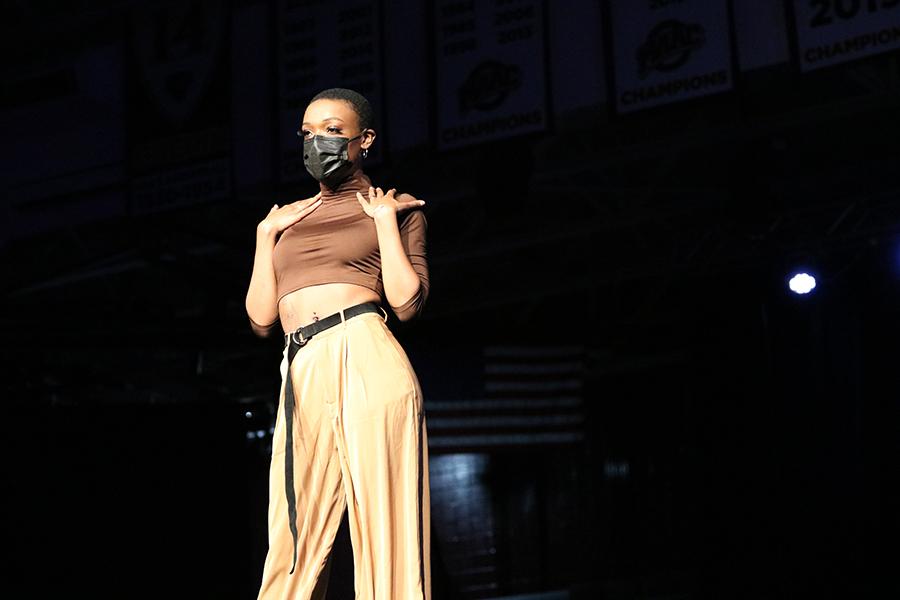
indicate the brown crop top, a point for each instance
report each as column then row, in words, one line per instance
column 337, row 242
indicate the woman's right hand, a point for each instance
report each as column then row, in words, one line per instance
column 280, row 218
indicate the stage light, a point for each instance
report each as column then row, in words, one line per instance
column 802, row 283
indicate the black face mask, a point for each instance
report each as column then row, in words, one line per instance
column 327, row 160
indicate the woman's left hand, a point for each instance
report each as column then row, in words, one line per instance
column 381, row 202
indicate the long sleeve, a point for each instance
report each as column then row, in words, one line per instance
column 413, row 230
column 263, row 330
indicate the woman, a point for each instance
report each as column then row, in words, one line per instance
column 350, row 431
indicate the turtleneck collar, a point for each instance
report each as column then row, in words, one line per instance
column 355, row 182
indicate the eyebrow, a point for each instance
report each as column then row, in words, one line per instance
column 324, row 120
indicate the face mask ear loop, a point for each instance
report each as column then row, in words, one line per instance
column 347, row 147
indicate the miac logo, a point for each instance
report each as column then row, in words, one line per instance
column 177, row 46
column 668, row 46
column 488, row 85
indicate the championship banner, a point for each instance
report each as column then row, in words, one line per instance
column 830, row 32
column 667, row 51
column 491, row 72
column 324, row 44
column 179, row 104
column 64, row 141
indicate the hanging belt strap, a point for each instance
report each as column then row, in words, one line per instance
column 294, row 341
column 293, row 346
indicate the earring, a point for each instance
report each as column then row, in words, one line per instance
column 365, row 152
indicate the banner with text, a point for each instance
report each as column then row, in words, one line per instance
column 665, row 51
column 322, row 45
column 179, row 104
column 829, row 32
column 491, row 72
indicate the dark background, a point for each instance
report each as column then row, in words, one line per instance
column 717, row 436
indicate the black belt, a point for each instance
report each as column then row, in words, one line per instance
column 294, row 341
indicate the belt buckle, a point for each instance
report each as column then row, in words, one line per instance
column 302, row 341
column 384, row 311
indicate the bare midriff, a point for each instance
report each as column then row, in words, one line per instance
column 306, row 305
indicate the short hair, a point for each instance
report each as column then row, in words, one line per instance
column 359, row 103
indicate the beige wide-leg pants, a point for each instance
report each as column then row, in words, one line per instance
column 360, row 444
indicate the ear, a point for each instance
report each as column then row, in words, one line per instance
column 368, row 138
